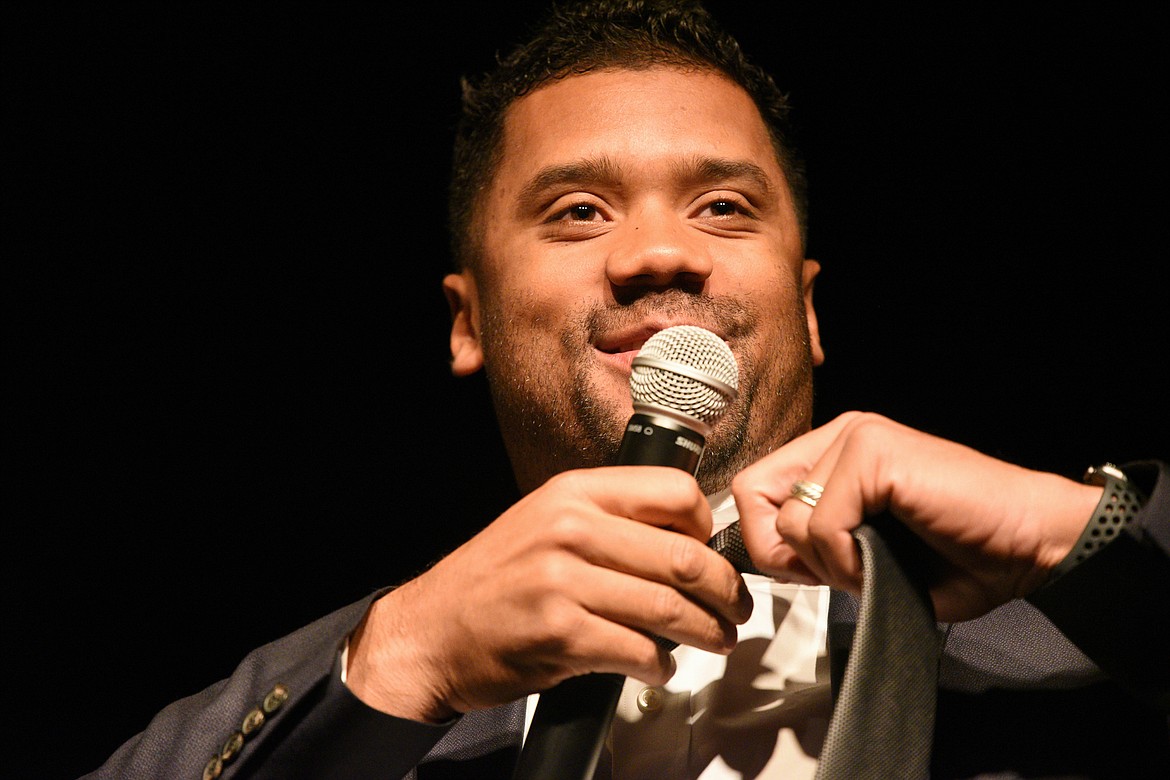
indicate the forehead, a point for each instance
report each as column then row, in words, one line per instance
column 634, row 117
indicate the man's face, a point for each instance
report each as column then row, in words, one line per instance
column 627, row 202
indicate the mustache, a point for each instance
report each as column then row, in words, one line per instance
column 727, row 316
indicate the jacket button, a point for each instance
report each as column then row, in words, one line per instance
column 276, row 697
column 213, row 769
column 231, row 748
column 649, row 700
column 252, row 721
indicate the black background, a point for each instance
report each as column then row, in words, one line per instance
column 227, row 403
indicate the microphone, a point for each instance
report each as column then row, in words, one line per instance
column 682, row 381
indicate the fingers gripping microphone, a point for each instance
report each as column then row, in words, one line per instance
column 682, row 381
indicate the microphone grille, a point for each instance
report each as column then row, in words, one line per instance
column 685, row 370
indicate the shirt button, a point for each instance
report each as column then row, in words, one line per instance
column 649, row 700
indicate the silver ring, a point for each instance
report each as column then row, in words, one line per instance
column 808, row 492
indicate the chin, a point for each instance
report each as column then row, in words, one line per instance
column 611, row 395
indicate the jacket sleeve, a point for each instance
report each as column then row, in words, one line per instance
column 285, row 713
column 1115, row 605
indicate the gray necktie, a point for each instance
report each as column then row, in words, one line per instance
column 883, row 721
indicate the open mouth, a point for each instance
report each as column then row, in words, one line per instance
column 632, row 339
column 628, row 339
column 621, row 348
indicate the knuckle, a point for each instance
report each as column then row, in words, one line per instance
column 647, row 658
column 790, row 512
column 739, row 595
column 705, row 633
column 697, row 502
column 866, row 426
column 568, row 531
column 719, row 633
column 573, row 482
column 666, row 607
column 564, row 479
column 681, row 490
column 688, row 562
column 558, row 627
column 792, row 519
column 554, row 573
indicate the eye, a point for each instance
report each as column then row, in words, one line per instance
column 579, row 212
column 723, row 207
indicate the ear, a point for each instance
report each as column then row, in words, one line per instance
column 808, row 275
column 463, row 299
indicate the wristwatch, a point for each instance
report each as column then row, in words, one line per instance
column 1117, row 508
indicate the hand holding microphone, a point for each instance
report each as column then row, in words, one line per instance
column 682, row 381
column 572, row 578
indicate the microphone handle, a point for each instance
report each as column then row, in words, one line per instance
column 573, row 718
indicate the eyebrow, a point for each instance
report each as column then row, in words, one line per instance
column 711, row 170
column 599, row 170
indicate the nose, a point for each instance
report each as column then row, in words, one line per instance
column 656, row 248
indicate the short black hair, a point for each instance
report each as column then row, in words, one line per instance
column 585, row 35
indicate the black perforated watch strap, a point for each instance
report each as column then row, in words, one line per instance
column 1118, row 506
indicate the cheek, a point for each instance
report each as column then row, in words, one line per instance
column 544, row 289
column 766, row 262
column 769, row 287
column 526, row 314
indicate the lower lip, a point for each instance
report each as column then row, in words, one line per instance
column 618, row 360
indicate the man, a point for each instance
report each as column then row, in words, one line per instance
column 593, row 207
